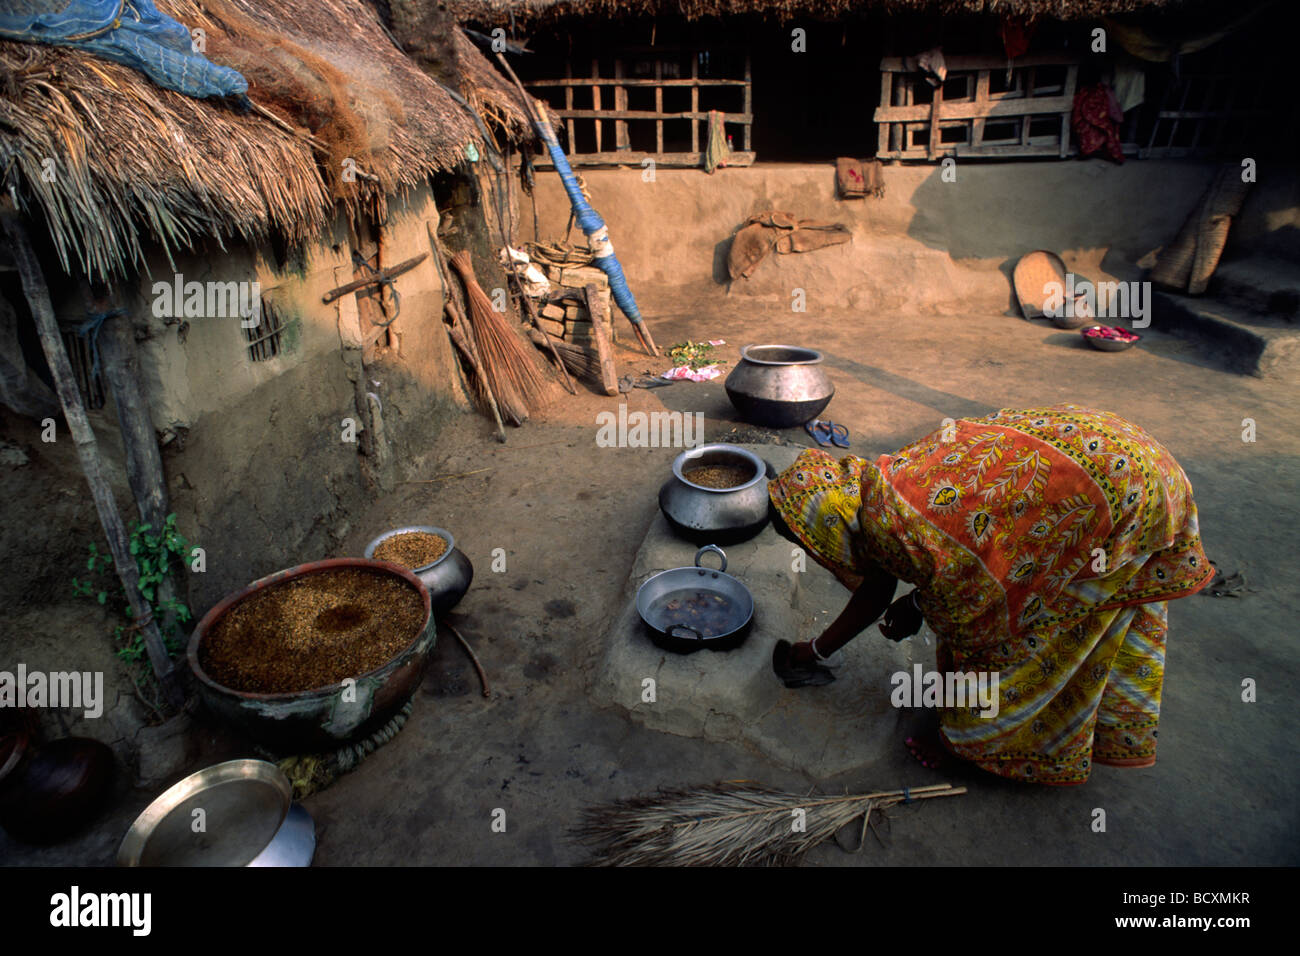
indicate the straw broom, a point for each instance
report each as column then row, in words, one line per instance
column 516, row 379
column 730, row 824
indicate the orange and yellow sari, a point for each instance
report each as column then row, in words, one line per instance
column 1045, row 545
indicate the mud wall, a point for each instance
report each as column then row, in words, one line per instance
column 928, row 246
column 257, row 463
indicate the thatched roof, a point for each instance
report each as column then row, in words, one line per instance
column 532, row 11
column 132, row 161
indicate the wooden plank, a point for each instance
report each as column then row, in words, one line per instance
column 659, row 107
column 883, row 129
column 620, row 106
column 629, row 81
column 595, row 100
column 651, row 115
column 1071, row 79
column 960, row 150
column 568, row 102
column 936, row 104
column 608, row 370
column 970, row 64
column 981, row 97
column 695, row 101
column 633, row 157
column 960, row 109
column 748, row 105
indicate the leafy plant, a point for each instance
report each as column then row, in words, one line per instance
column 694, row 354
column 158, row 556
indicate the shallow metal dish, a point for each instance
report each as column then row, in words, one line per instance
column 1108, row 345
column 244, row 806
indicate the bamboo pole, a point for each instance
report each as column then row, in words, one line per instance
column 38, row 298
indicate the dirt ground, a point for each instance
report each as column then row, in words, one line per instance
column 570, row 517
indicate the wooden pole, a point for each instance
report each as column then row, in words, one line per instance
column 144, row 468
column 38, row 298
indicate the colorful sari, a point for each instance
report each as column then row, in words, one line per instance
column 1045, row 545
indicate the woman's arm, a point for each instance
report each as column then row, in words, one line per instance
column 869, row 601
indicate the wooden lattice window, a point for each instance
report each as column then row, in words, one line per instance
column 982, row 109
column 81, row 356
column 264, row 339
column 656, row 104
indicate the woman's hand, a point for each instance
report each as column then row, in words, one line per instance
column 801, row 654
column 903, row 619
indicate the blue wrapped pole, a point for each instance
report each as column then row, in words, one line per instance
column 597, row 232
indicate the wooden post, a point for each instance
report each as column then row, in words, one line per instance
column 144, row 468
column 620, row 104
column 38, row 298
column 695, row 101
column 595, row 99
column 659, row 108
column 748, row 105
column 568, row 107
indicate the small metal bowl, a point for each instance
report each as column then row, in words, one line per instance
column 1108, row 345
column 248, row 819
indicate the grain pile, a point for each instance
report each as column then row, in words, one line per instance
column 312, row 631
column 718, row 476
column 412, row 550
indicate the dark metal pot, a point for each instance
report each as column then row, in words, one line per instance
column 448, row 578
column 724, row 515
column 652, row 598
column 49, row 792
column 779, row 386
column 320, row 719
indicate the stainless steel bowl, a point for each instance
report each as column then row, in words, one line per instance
column 779, row 386
column 699, row 513
column 237, row 813
column 448, row 578
column 1108, row 345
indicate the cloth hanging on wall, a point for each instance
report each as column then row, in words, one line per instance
column 780, row 231
column 1095, row 120
column 857, row 178
column 716, row 151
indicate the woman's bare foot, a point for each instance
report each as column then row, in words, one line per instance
column 927, row 750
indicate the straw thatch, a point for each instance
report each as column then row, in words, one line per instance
column 533, row 11
column 109, row 160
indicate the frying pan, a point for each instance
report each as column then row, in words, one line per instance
column 669, row 631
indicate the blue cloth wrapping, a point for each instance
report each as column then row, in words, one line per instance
column 134, row 33
column 589, row 222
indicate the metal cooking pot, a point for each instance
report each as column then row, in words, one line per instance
column 447, row 579
column 700, row 514
column 779, row 386
column 668, row 628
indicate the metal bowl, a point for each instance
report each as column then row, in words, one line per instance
column 727, row 515
column 779, row 386
column 247, row 814
column 447, row 579
column 1108, row 345
column 322, row 718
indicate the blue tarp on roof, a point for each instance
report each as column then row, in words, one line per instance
column 132, row 32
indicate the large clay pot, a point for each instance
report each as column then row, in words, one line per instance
column 447, row 579
column 323, row 718
column 724, row 515
column 49, row 792
column 779, row 386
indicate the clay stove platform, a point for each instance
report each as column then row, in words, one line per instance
column 733, row 695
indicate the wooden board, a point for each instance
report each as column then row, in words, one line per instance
column 608, row 370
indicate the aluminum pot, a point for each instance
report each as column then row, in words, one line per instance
column 323, row 718
column 653, row 597
column 448, row 578
column 249, row 819
column 779, row 386
column 727, row 515
column 49, row 792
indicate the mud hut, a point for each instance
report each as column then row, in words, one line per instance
column 188, row 246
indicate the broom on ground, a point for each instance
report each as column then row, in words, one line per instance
column 518, row 382
column 730, row 824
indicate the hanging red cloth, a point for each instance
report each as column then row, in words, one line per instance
column 1095, row 121
column 1016, row 34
